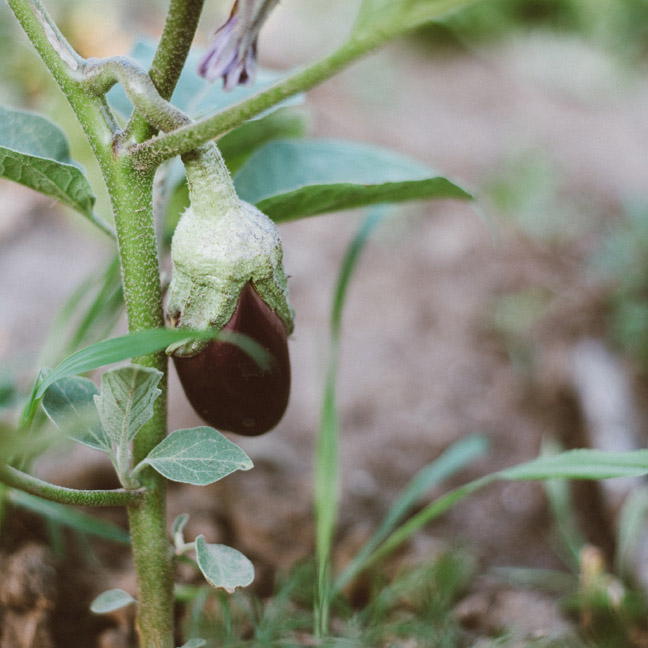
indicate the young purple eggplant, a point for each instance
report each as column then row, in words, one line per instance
column 226, row 386
column 228, row 275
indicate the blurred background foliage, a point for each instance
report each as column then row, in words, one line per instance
column 527, row 190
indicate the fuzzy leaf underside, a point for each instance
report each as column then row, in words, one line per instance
column 197, row 456
column 126, row 400
column 222, row 566
column 69, row 403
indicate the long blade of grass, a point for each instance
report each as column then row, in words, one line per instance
column 128, row 346
column 429, row 513
column 137, row 344
column 572, row 464
column 447, row 464
column 326, row 486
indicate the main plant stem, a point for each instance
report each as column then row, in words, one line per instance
column 131, row 196
column 131, row 193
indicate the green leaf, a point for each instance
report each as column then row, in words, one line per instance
column 581, row 464
column 222, row 566
column 70, row 517
column 572, row 464
column 238, row 144
column 111, row 600
column 69, row 403
column 35, row 153
column 126, row 400
column 179, row 523
column 140, row 343
column 197, row 456
column 291, row 179
column 326, row 482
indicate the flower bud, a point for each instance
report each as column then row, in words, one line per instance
column 232, row 52
column 228, row 275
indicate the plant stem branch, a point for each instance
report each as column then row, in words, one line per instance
column 30, row 484
column 186, row 138
column 170, row 56
column 102, row 74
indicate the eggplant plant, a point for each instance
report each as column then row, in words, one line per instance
column 228, row 317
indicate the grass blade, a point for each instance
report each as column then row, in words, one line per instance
column 572, row 464
column 132, row 345
column 451, row 461
column 326, row 487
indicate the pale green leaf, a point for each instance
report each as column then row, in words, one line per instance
column 111, row 600
column 198, row 456
column 34, row 152
column 179, row 523
column 291, row 179
column 222, row 566
column 126, row 400
column 69, row 403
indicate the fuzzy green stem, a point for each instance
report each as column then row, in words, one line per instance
column 18, row 479
column 210, row 185
column 131, row 193
column 102, row 74
column 131, row 196
column 170, row 56
column 182, row 140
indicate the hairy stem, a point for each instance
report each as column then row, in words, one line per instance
column 182, row 140
column 131, row 196
column 102, row 74
column 18, row 479
column 170, row 56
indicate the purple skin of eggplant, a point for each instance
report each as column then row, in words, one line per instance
column 226, row 387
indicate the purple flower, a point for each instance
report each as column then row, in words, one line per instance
column 232, row 51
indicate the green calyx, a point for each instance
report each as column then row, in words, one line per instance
column 220, row 244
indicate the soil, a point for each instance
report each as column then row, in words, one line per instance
column 427, row 355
